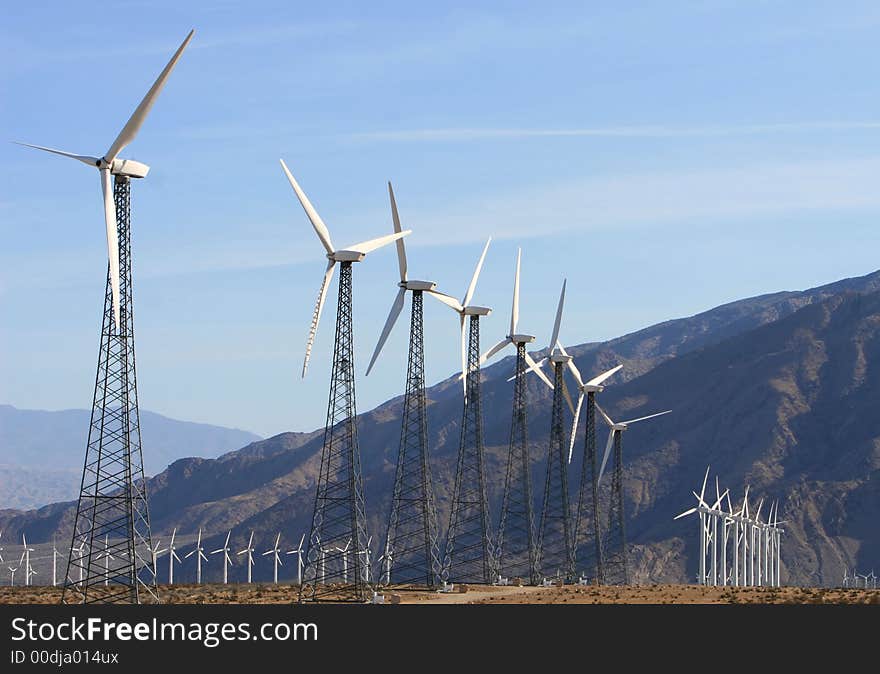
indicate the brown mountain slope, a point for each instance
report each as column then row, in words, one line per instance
column 785, row 406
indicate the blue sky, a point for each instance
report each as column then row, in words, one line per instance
column 665, row 157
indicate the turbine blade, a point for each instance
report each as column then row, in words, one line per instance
column 446, row 299
column 112, row 241
column 133, row 125
column 401, row 250
column 371, row 245
column 567, row 395
column 495, row 349
column 316, row 317
column 685, row 513
column 603, row 415
column 514, row 309
column 320, row 228
column 574, row 425
column 650, row 416
column 705, row 479
column 85, row 159
column 606, row 455
column 595, row 381
column 473, row 286
column 396, row 308
column 554, row 338
column 537, row 368
column 573, row 369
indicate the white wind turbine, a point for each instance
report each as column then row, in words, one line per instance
column 464, row 309
column 172, row 555
column 107, row 557
column 277, row 557
column 154, row 555
column 27, row 560
column 513, row 338
column 403, row 285
column 354, row 253
column 110, row 164
column 1, row 547
column 616, row 429
column 199, row 552
column 81, row 551
column 227, row 560
column 249, row 550
column 344, row 552
column 585, row 388
column 54, row 563
column 366, row 553
column 298, row 551
column 13, row 569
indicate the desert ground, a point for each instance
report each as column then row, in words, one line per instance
column 487, row 594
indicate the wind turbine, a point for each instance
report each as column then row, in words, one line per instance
column 298, row 551
column 227, row 560
column 172, row 555
column 249, row 550
column 13, row 569
column 469, row 553
column 199, row 552
column 1, row 547
column 344, row 552
column 110, row 164
column 517, row 543
column 588, row 492
column 344, row 256
column 54, row 563
column 616, row 563
column 113, row 466
column 412, row 520
column 339, row 512
column 277, row 558
column 154, row 555
column 107, row 557
column 366, row 553
column 27, row 560
column 556, row 540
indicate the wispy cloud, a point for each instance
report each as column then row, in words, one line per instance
column 747, row 194
column 648, row 131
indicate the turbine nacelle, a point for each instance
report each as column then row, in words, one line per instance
column 346, row 256
column 521, row 339
column 417, row 285
column 129, row 168
column 476, row 311
column 560, row 358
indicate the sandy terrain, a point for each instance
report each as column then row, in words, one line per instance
column 483, row 594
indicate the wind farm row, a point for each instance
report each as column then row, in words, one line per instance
column 575, row 533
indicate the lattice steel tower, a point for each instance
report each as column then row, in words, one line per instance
column 517, row 538
column 556, row 542
column 614, row 548
column 411, row 554
column 338, row 561
column 112, row 505
column 615, row 563
column 588, row 534
column 411, row 548
column 469, row 554
column 335, row 567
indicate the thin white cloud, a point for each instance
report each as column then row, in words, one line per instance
column 647, row 131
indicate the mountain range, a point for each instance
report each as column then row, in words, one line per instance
column 41, row 452
column 773, row 391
